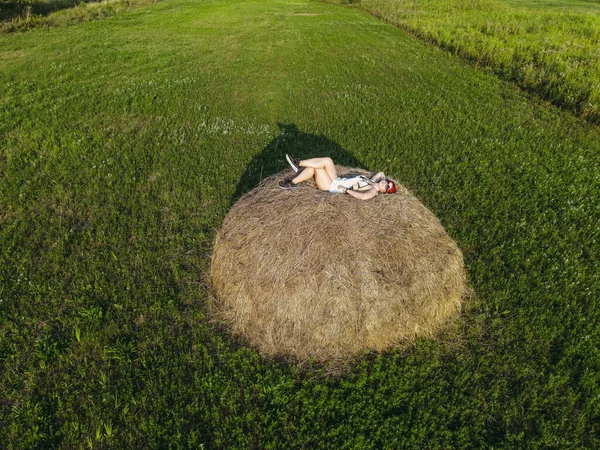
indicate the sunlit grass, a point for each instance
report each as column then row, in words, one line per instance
column 547, row 47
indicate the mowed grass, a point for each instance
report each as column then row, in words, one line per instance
column 125, row 141
column 545, row 46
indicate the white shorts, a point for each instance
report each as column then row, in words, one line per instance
column 346, row 183
column 334, row 188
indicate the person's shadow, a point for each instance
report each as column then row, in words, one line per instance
column 298, row 144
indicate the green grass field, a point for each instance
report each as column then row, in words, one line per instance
column 545, row 46
column 124, row 142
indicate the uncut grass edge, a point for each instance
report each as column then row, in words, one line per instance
column 81, row 12
column 529, row 69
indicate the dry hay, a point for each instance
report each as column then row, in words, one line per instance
column 317, row 276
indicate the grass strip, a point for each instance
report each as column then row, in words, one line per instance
column 544, row 47
column 46, row 14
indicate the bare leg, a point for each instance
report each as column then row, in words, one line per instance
column 304, row 175
column 321, row 175
column 321, row 163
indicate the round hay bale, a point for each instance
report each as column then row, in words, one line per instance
column 312, row 275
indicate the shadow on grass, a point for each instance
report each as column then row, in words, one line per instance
column 293, row 141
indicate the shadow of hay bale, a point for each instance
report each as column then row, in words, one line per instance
column 309, row 275
column 290, row 140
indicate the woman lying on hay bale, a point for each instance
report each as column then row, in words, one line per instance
column 326, row 178
column 299, row 276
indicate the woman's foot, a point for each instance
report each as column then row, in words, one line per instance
column 294, row 163
column 287, row 184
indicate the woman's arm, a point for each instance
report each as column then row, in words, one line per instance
column 378, row 177
column 363, row 195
